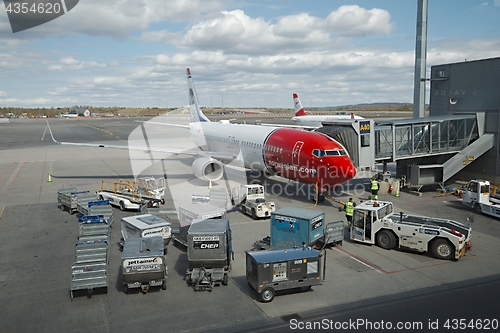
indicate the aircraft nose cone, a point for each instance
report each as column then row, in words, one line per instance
column 351, row 172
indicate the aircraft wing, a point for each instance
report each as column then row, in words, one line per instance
column 225, row 157
column 166, row 124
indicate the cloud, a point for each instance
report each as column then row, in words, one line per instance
column 26, row 102
column 120, row 18
column 356, row 21
column 71, row 64
column 236, row 32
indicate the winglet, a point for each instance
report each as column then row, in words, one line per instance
column 194, row 107
column 299, row 110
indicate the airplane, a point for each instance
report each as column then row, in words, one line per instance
column 303, row 119
column 303, row 156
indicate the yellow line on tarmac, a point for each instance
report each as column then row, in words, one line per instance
column 103, row 130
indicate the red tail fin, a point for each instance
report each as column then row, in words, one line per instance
column 299, row 110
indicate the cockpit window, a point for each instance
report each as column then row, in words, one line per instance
column 334, row 152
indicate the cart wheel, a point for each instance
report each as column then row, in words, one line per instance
column 71, row 294
column 254, row 214
column 164, row 285
column 122, row 206
column 225, row 280
column 244, row 210
column 62, row 208
column 101, row 197
column 267, row 295
column 125, row 289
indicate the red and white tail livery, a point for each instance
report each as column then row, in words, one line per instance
column 299, row 109
column 303, row 119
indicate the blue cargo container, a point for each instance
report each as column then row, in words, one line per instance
column 295, row 227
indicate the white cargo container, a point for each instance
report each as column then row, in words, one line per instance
column 146, row 225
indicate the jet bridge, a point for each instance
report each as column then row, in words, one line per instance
column 422, row 139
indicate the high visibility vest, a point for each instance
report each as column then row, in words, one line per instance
column 374, row 185
column 349, row 208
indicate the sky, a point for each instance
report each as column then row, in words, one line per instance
column 242, row 53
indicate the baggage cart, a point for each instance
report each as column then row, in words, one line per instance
column 269, row 271
column 144, row 264
column 91, row 251
column 67, row 198
column 96, row 207
column 93, row 228
column 89, row 276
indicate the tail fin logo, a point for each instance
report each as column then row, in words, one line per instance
column 194, row 107
column 299, row 110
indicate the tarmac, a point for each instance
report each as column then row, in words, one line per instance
column 37, row 245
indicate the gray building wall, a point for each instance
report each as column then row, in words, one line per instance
column 469, row 87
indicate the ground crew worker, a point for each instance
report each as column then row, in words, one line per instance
column 349, row 211
column 374, row 188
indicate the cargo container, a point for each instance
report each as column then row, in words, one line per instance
column 195, row 212
column 295, row 227
column 273, row 270
column 143, row 264
column 146, row 225
column 209, row 249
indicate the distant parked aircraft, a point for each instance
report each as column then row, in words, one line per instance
column 303, row 119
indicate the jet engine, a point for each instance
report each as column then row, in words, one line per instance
column 207, row 168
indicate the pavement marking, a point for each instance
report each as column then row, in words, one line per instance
column 3, row 173
column 372, row 266
column 1, row 211
column 13, row 177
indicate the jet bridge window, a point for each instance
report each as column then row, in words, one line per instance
column 365, row 140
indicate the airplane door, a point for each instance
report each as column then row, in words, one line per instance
column 296, row 152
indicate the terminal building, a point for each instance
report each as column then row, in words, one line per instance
column 459, row 139
column 471, row 87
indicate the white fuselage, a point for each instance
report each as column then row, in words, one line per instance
column 315, row 121
column 247, row 140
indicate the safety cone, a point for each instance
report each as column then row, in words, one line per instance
column 210, row 185
column 397, row 189
column 49, row 179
